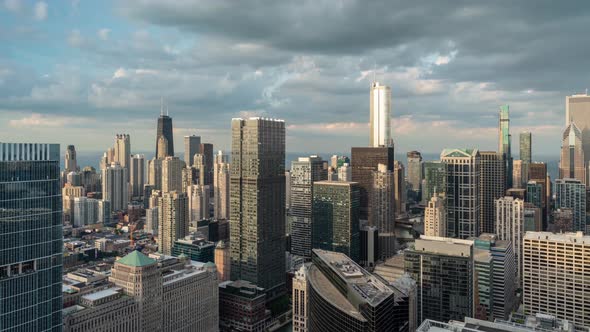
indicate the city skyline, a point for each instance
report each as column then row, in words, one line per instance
column 88, row 74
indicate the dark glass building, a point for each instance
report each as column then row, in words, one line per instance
column 165, row 129
column 30, row 237
column 207, row 152
column 336, row 217
column 364, row 162
column 257, row 203
column 345, row 297
column 538, row 174
column 196, row 249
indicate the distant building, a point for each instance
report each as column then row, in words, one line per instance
column 197, row 249
column 492, row 187
column 369, row 244
column 434, row 179
column 164, row 130
column 114, row 186
column 382, row 207
column 221, row 191
column 571, row 193
column 380, row 119
column 435, row 217
column 137, row 175
column 242, row 307
column 399, row 182
column 123, row 152
column 345, row 172
column 192, row 146
column 414, row 173
column 173, row 220
column 510, row 226
column 172, row 174
column 538, row 174
column 505, row 142
column 577, row 108
column 572, row 162
column 563, row 220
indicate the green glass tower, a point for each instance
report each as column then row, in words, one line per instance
column 434, row 179
column 30, row 237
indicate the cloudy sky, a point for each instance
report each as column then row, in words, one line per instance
column 78, row 72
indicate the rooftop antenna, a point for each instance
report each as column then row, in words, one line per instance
column 161, row 105
column 166, row 109
column 375, row 72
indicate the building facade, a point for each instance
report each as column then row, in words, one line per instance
column 300, row 298
column 492, row 187
column 571, row 194
column 173, row 220
column 364, row 162
column 114, row 186
column 505, row 141
column 577, row 110
column 435, row 217
column 137, row 175
column 572, row 162
column 382, row 199
column 192, row 146
column 380, row 118
column 164, row 130
column 434, row 179
column 510, row 226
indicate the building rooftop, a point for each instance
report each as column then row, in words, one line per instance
column 443, row 246
column 459, row 153
column 102, row 294
column 335, row 183
column 136, row 259
column 578, row 237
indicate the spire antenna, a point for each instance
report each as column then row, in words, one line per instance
column 161, row 105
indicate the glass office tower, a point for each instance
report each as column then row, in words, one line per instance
column 30, row 237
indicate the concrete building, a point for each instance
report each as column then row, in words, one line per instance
column 517, row 173
column 435, row 216
column 192, row 146
column 173, row 220
column 505, row 141
column 304, row 172
column 222, row 261
column 492, row 187
column 345, row 297
column 434, row 180
column 345, row 172
column 172, row 174
column 221, row 191
column 368, row 244
column 207, row 152
column 538, row 174
column 577, row 110
column 510, row 226
column 443, row 270
column 572, row 162
column 137, row 175
column 151, row 220
column 399, row 182
column 463, row 192
column 257, row 203
column 526, row 144
column 199, row 202
column 196, row 248
column 380, row 119
column 557, row 275
column 414, row 173
column 300, row 298
column 85, row 211
column 516, row 323
column 563, row 220
column 382, row 200
column 31, row 237
column 155, row 173
column 90, row 179
column 571, row 194
column 68, row 194
column 242, row 307
column 336, row 217
column 123, row 151
column 115, row 188
column 365, row 161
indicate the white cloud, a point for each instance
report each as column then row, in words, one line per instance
column 40, row 10
column 104, row 33
column 13, row 5
column 41, row 120
column 120, row 73
column 75, row 38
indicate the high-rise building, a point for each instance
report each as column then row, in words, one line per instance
column 563, row 220
column 414, row 173
column 164, row 129
column 443, row 270
column 517, row 174
column 199, row 168
column 85, row 211
column 257, row 203
column 434, row 179
column 345, row 297
column 123, row 151
column 207, row 151
column 114, row 186
column 344, row 172
column 399, row 182
column 571, row 164
column 304, row 172
column 538, row 174
column 463, row 169
column 172, row 174
column 222, row 261
column 151, row 220
column 31, row 237
column 369, row 244
column 242, row 306
column 364, row 162
column 571, row 194
column 435, row 216
column 500, row 283
column 90, row 179
column 577, row 110
column 69, row 193
column 155, row 173
column 192, row 146
column 221, row 191
column 195, row 247
column 557, row 275
column 104, row 212
column 336, row 217
column 137, row 175
column 492, row 187
column 510, row 226
column 526, row 143
column 173, row 220
column 199, row 196
column 71, row 163
column 380, row 107
column 300, row 296
column 382, row 199
column 505, row 141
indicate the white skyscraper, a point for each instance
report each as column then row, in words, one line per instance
column 510, row 226
column 380, row 105
column 114, row 186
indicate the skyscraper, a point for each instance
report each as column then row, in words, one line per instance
column 492, row 187
column 114, row 186
column 300, row 298
column 571, row 164
column 504, row 141
column 31, row 237
column 571, row 193
column 336, row 217
column 414, row 173
column 364, row 162
column 435, row 217
column 71, row 163
column 577, row 110
column 207, row 152
column 382, row 198
column 510, row 226
column 526, row 143
column 380, row 106
column 164, row 130
column 221, row 190
column 538, row 174
column 443, row 270
column 434, row 179
column 557, row 275
column 462, row 192
column 304, row 172
column 123, row 151
column 399, row 182
column 192, row 145
column 517, row 174
column 173, row 220
column 172, row 174
column 257, row 203
column 137, row 175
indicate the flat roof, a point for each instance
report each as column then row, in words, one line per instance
column 577, row 238
column 102, row 294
